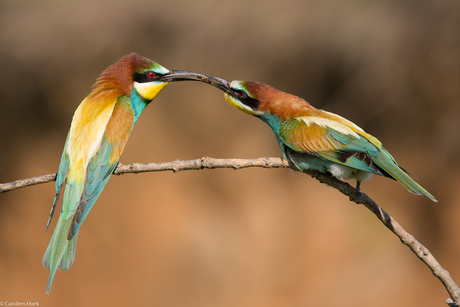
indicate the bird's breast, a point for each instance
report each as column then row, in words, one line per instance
column 119, row 128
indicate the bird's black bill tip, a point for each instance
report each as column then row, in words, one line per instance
column 217, row 82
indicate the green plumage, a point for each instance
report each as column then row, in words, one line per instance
column 313, row 139
column 377, row 159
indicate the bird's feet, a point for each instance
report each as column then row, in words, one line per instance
column 358, row 186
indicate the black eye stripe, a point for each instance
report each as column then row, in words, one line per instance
column 246, row 100
column 144, row 77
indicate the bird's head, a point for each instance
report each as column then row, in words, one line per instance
column 150, row 79
column 256, row 98
column 136, row 74
column 243, row 95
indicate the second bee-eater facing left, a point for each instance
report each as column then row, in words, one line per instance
column 313, row 139
column 98, row 134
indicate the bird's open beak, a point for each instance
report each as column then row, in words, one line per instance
column 182, row 75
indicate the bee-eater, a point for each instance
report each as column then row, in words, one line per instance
column 313, row 139
column 98, row 134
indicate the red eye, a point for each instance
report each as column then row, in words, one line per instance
column 151, row 74
column 242, row 95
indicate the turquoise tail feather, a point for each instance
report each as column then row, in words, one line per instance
column 60, row 252
column 389, row 165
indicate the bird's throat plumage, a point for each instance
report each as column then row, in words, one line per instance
column 237, row 104
column 148, row 91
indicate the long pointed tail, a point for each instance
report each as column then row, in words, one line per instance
column 60, row 252
column 389, row 165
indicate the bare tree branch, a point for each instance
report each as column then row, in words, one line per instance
column 10, row 186
column 359, row 198
column 175, row 166
column 205, row 162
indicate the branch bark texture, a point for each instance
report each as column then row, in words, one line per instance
column 355, row 196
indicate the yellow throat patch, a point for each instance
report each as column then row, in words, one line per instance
column 149, row 90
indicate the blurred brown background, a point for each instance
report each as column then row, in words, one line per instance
column 234, row 238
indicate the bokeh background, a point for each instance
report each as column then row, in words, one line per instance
column 253, row 237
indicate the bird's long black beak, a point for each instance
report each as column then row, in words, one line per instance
column 182, row 75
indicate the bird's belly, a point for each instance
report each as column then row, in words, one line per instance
column 344, row 172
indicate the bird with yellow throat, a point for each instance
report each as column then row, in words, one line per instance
column 98, row 134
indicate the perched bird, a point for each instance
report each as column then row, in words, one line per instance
column 313, row 139
column 98, row 134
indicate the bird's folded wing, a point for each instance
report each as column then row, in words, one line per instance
column 105, row 159
column 332, row 140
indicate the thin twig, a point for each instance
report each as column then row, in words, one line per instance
column 359, row 198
